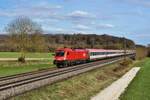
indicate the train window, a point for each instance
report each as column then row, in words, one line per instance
column 60, row 53
column 99, row 53
column 96, row 53
column 68, row 53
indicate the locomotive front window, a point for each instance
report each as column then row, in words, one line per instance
column 68, row 53
column 60, row 53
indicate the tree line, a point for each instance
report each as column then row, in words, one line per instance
column 38, row 42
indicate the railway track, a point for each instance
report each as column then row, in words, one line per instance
column 11, row 86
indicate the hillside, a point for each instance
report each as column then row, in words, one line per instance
column 54, row 41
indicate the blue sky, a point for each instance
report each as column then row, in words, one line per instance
column 129, row 18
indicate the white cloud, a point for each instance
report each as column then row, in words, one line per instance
column 79, row 17
column 47, row 14
column 44, row 6
column 81, row 27
column 57, row 30
column 53, row 30
column 81, row 14
column 102, row 25
column 41, row 9
column 106, row 25
column 78, row 13
column 45, row 21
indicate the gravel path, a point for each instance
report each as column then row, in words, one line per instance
column 113, row 91
column 15, row 59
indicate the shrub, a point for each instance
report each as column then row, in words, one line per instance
column 126, row 62
column 21, row 59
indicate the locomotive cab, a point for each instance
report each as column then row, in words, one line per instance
column 60, row 57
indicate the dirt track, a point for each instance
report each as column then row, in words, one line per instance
column 15, row 59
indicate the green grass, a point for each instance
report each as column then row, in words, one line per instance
column 81, row 87
column 14, row 67
column 28, row 55
column 10, row 68
column 139, row 89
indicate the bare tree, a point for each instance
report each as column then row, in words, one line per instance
column 19, row 31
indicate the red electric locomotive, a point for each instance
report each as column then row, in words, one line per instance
column 67, row 57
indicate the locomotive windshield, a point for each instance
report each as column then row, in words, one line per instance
column 60, row 53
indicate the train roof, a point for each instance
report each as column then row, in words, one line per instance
column 91, row 50
column 103, row 50
column 68, row 49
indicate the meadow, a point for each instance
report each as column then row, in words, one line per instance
column 15, row 67
column 28, row 55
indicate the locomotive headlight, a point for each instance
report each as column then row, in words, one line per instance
column 64, row 58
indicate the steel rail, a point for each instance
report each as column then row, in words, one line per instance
column 25, row 74
column 2, row 85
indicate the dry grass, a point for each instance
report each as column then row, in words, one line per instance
column 81, row 87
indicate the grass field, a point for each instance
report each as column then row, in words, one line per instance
column 81, row 87
column 28, row 55
column 139, row 89
column 14, row 67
